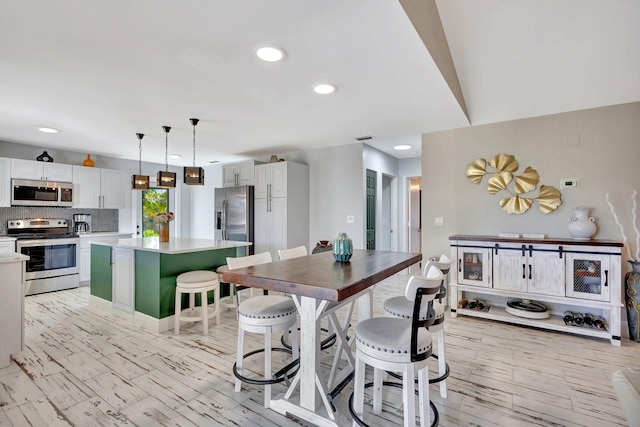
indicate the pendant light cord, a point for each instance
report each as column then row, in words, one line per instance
column 194, row 122
column 166, row 147
column 140, row 136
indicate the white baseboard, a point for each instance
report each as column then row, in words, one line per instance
column 140, row 319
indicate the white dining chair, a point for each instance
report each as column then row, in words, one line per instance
column 263, row 314
column 400, row 306
column 289, row 253
column 397, row 344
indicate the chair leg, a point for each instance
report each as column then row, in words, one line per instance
column 423, row 396
column 267, row 366
column 216, row 303
column 204, row 311
column 408, row 395
column 176, row 315
column 442, row 363
column 377, row 390
column 358, row 389
column 239, row 355
column 295, row 342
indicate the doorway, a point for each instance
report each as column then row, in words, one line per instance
column 372, row 178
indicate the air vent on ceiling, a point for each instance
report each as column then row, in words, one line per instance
column 364, row 138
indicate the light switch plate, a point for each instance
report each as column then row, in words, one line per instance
column 438, row 221
column 350, row 219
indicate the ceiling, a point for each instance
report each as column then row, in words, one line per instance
column 101, row 71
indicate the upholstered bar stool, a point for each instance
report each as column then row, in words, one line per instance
column 401, row 307
column 192, row 283
column 263, row 314
column 230, row 302
column 398, row 344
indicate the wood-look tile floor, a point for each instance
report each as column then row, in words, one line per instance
column 82, row 367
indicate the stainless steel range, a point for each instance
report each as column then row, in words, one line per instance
column 53, row 250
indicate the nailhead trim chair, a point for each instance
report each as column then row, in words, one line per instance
column 398, row 345
column 263, row 314
column 400, row 306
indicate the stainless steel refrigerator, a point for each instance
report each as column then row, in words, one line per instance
column 234, row 214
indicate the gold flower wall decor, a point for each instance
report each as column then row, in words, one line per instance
column 505, row 166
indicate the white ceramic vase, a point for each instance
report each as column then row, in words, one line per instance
column 581, row 225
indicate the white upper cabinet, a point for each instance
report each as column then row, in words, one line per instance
column 98, row 188
column 5, row 180
column 271, row 180
column 31, row 169
column 112, row 189
column 236, row 174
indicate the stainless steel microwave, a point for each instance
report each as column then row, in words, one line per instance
column 26, row 192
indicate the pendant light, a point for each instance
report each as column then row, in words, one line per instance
column 166, row 179
column 140, row 182
column 194, row 175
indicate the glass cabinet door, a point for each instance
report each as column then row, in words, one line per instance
column 474, row 266
column 588, row 276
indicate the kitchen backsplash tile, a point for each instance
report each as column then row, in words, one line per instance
column 101, row 219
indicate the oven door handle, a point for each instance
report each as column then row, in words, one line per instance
column 46, row 242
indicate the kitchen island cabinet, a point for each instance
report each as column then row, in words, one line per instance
column 11, row 305
column 136, row 278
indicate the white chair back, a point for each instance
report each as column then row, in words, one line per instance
column 249, row 260
column 296, row 252
column 444, row 264
column 432, row 279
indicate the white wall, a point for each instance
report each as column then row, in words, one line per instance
column 201, row 203
column 600, row 147
column 335, row 191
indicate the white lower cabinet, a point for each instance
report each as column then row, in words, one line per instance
column 85, row 251
column 565, row 275
column 123, row 279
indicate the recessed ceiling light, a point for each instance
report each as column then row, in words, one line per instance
column 324, row 88
column 270, row 53
column 174, row 156
column 48, row 130
column 402, row 147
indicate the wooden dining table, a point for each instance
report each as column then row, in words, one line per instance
column 318, row 284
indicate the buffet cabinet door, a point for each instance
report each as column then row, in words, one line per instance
column 588, row 276
column 474, row 266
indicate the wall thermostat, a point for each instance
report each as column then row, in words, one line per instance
column 568, row 183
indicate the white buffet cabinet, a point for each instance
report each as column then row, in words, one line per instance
column 582, row 276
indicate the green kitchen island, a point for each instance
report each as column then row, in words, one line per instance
column 136, row 278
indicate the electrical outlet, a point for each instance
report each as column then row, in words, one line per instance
column 350, row 219
column 438, row 221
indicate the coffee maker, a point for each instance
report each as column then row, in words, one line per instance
column 82, row 223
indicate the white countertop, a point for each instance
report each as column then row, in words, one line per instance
column 175, row 245
column 12, row 257
column 102, row 234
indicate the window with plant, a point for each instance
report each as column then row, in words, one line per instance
column 154, row 201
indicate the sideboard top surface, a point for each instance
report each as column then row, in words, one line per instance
column 551, row 240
